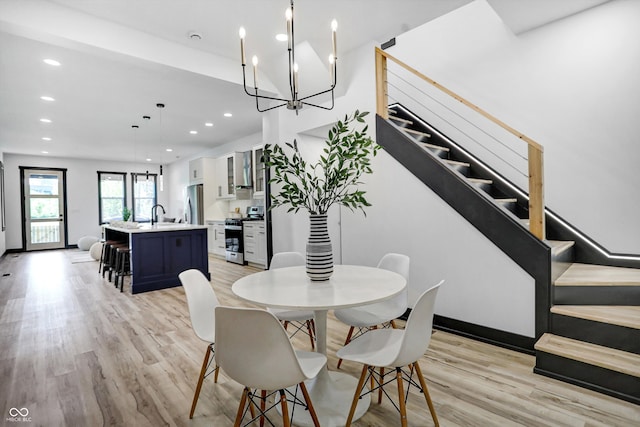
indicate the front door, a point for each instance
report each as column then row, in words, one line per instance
column 44, row 208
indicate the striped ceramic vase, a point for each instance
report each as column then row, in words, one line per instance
column 319, row 252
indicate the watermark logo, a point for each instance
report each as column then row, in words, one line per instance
column 18, row 415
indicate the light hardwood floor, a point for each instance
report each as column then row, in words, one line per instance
column 75, row 351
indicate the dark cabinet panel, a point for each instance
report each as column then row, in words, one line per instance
column 158, row 257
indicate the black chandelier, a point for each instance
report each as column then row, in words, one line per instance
column 295, row 102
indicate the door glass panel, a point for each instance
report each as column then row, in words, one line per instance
column 45, row 232
column 43, row 185
column 45, row 208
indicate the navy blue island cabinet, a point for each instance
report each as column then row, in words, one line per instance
column 162, row 251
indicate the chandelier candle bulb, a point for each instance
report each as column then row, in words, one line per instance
column 332, row 70
column 254, row 60
column 289, row 15
column 242, row 33
column 295, row 78
column 334, row 28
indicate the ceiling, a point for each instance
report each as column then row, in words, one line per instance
column 119, row 58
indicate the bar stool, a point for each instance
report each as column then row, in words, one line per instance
column 123, row 265
column 113, row 257
column 104, row 256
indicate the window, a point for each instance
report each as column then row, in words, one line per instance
column 144, row 195
column 112, row 195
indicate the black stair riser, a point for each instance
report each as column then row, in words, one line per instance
column 596, row 295
column 612, row 383
column 498, row 226
column 604, row 334
column 584, row 252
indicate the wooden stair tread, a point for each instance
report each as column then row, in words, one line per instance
column 599, row 275
column 558, row 246
column 398, row 119
column 621, row 315
column 506, row 200
column 592, row 354
column 416, row 132
column 480, row 181
column 434, row 147
column 456, row 163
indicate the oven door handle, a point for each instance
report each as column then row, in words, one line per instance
column 233, row 227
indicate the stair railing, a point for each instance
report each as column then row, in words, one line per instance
column 535, row 151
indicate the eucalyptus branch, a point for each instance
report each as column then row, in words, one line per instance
column 334, row 178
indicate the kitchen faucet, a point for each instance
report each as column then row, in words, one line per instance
column 154, row 212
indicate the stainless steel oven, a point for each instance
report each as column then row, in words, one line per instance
column 234, row 247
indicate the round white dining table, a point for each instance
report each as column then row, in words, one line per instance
column 350, row 286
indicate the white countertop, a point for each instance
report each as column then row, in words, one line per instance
column 161, row 226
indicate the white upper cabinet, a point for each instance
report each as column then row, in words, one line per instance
column 258, row 171
column 196, row 171
column 233, row 176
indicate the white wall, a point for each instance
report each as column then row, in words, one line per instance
column 82, row 192
column 568, row 85
column 571, row 85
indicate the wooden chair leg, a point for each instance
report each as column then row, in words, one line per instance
column 427, row 396
column 286, row 325
column 311, row 334
column 403, row 405
column 346, row 341
column 215, row 374
column 263, row 406
column 285, row 409
column 203, row 370
column 356, row 396
column 243, row 401
column 380, row 389
column 393, row 324
column 312, row 410
column 251, row 410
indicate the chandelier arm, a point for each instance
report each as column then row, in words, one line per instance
column 244, row 81
column 319, row 93
column 270, row 108
column 319, row 106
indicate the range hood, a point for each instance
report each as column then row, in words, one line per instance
column 244, row 176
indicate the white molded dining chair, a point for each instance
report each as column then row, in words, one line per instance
column 202, row 302
column 395, row 348
column 254, row 349
column 383, row 313
column 299, row 319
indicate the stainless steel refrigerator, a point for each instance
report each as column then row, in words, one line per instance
column 193, row 205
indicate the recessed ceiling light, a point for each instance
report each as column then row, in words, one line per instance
column 228, row 115
column 148, row 160
column 51, row 62
column 47, row 98
column 169, row 150
column 194, row 35
column 45, row 120
column 281, row 37
column 46, row 138
column 193, row 132
column 44, row 152
column 208, row 124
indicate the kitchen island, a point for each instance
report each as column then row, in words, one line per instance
column 161, row 251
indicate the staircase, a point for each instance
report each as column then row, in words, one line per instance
column 587, row 300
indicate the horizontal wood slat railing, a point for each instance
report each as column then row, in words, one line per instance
column 535, row 150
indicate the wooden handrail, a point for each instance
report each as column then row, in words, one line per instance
column 535, row 150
